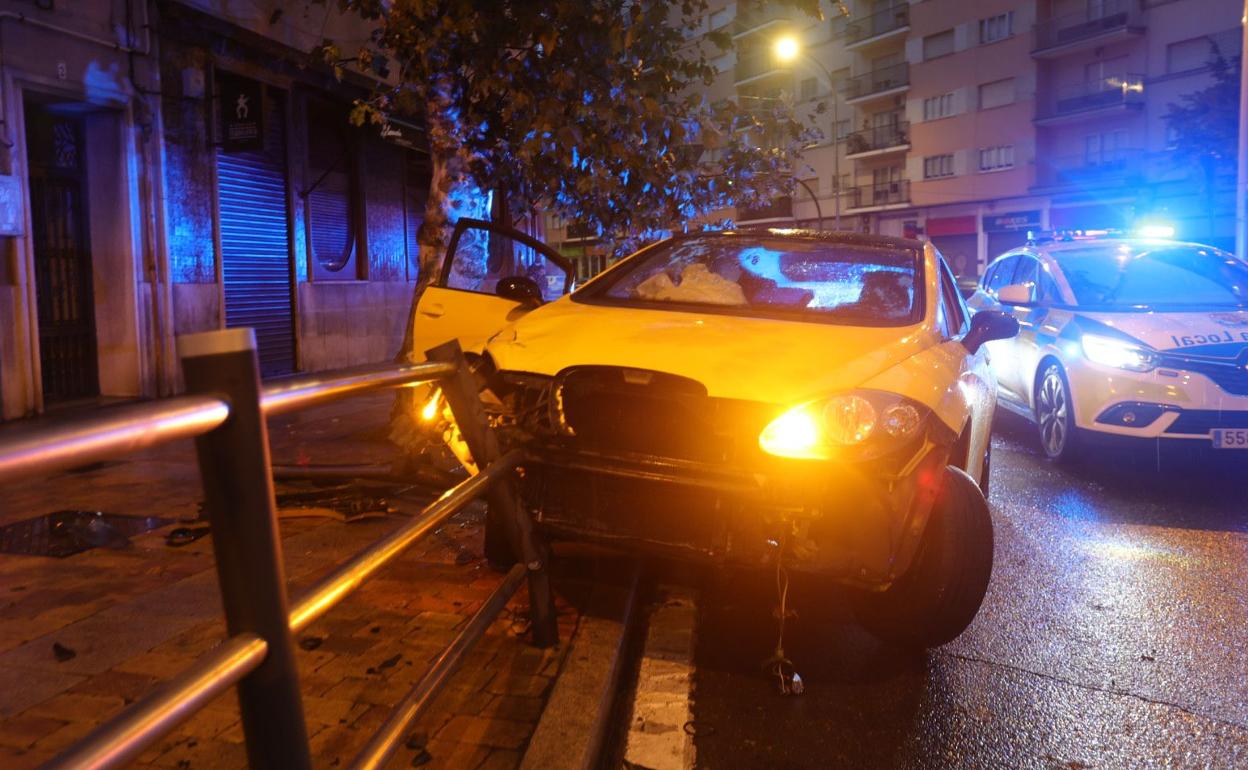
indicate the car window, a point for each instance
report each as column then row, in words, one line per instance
column 1026, row 273
column 1154, row 275
column 952, row 316
column 806, row 279
column 1002, row 275
column 483, row 257
column 1046, row 288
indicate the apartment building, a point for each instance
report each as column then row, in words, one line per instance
column 970, row 122
column 172, row 167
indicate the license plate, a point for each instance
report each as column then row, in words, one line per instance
column 1229, row 438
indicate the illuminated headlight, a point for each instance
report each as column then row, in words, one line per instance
column 1108, row 351
column 433, row 407
column 820, row 430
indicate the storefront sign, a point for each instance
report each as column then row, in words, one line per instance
column 951, row 226
column 242, row 114
column 11, row 219
column 1016, row 220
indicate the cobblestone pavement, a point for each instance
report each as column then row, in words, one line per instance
column 83, row 636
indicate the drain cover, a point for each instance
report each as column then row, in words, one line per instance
column 65, row 533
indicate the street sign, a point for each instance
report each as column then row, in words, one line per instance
column 242, row 113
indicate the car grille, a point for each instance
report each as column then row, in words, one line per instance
column 614, row 409
column 1199, row 422
column 1232, row 377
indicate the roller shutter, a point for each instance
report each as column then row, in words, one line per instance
column 255, row 242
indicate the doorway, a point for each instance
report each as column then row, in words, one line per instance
column 62, row 256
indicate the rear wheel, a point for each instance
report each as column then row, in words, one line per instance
column 1055, row 417
column 939, row 596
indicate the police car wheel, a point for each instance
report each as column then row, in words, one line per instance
column 941, row 592
column 1055, row 418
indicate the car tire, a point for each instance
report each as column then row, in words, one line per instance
column 1054, row 412
column 940, row 594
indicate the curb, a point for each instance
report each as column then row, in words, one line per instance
column 662, row 705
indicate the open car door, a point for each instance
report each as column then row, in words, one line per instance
column 487, row 268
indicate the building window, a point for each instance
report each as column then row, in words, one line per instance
column 937, row 166
column 809, row 89
column 996, row 158
column 996, row 94
column 332, row 195
column 996, row 28
column 1189, row 55
column 937, row 45
column 938, row 106
column 1105, row 148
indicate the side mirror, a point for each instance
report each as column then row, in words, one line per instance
column 988, row 325
column 520, row 288
column 1015, row 294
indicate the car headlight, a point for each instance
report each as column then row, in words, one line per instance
column 1119, row 354
column 823, row 429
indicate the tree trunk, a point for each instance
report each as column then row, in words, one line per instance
column 451, row 196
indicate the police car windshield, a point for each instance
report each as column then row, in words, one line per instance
column 1154, row 276
column 852, row 284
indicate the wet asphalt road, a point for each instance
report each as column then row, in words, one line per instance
column 1114, row 635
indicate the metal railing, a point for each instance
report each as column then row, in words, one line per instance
column 225, row 410
column 878, row 81
column 1107, row 167
column 1101, row 93
column 1099, row 19
column 883, row 194
column 895, row 134
column 876, row 24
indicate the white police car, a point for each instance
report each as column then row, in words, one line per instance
column 1144, row 338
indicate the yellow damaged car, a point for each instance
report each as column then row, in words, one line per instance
column 813, row 400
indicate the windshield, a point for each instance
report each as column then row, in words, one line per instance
column 1149, row 275
column 850, row 284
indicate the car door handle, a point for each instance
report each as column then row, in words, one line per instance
column 434, row 310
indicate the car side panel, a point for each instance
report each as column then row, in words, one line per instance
column 444, row 314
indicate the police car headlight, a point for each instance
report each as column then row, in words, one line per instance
column 1108, row 351
column 862, row 423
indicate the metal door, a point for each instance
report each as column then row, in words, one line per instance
column 62, row 255
column 255, row 242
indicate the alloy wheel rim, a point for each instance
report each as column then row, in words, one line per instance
column 1052, row 412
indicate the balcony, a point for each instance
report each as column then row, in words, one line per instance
column 1114, row 94
column 580, row 231
column 755, row 16
column 780, row 208
column 756, row 66
column 879, row 196
column 879, row 27
column 1116, row 19
column 881, row 140
column 876, row 84
column 1091, row 171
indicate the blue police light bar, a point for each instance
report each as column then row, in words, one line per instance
column 1156, row 231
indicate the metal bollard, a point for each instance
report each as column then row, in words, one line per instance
column 504, row 496
column 238, row 497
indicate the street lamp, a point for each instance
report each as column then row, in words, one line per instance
column 788, row 49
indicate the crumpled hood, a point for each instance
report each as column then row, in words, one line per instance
column 1222, row 334
column 774, row 361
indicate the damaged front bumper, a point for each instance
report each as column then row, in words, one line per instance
column 854, row 522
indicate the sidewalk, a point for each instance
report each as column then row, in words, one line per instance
column 83, row 636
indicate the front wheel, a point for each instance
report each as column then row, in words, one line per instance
column 1055, row 416
column 939, row 596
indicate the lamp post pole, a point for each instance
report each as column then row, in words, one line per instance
column 836, row 144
